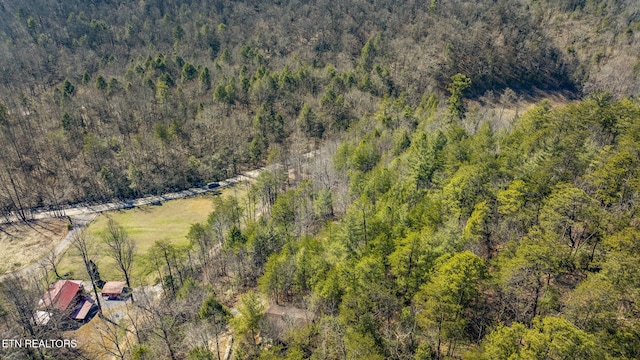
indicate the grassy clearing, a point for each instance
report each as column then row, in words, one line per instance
column 23, row 244
column 170, row 221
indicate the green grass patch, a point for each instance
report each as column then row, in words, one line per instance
column 169, row 221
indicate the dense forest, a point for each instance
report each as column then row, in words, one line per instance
column 116, row 99
column 438, row 218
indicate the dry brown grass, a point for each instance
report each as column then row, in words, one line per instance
column 23, row 244
column 94, row 339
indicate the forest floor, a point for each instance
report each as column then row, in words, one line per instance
column 25, row 243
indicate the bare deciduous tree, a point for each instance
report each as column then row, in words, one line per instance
column 120, row 248
column 162, row 320
column 112, row 338
column 19, row 299
column 52, row 259
column 86, row 251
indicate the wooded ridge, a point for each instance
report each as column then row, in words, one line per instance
column 474, row 193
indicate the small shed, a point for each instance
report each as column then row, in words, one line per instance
column 114, row 290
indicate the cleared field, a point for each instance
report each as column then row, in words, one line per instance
column 23, row 244
column 170, row 221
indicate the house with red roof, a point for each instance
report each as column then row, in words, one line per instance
column 65, row 297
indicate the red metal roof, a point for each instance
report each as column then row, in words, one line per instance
column 61, row 294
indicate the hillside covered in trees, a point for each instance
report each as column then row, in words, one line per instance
column 438, row 218
column 498, row 244
column 115, row 99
